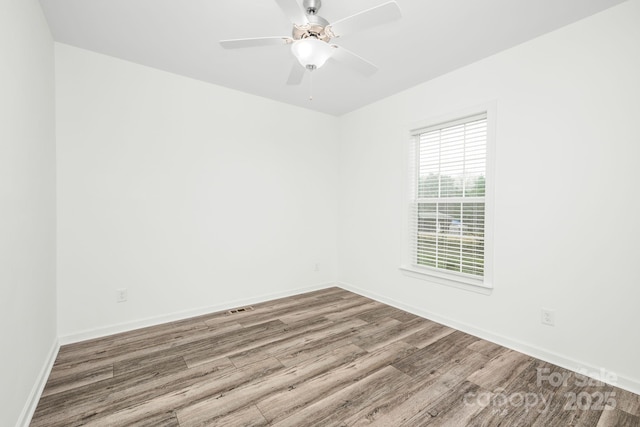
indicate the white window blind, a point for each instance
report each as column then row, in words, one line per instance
column 447, row 203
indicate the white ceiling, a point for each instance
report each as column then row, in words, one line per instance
column 431, row 39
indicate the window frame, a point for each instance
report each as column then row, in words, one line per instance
column 482, row 284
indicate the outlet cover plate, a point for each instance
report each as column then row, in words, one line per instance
column 548, row 317
column 121, row 295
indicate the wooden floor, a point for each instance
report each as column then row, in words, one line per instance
column 326, row 358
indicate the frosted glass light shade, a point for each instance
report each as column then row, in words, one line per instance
column 311, row 51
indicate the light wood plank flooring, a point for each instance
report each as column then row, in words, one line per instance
column 325, row 358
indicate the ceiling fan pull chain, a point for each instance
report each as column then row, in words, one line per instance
column 311, row 85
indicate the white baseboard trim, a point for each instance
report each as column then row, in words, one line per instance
column 528, row 349
column 181, row 315
column 34, row 397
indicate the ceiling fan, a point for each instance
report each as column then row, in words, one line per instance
column 311, row 36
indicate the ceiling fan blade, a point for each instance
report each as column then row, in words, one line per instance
column 293, row 11
column 255, row 42
column 296, row 75
column 354, row 61
column 378, row 15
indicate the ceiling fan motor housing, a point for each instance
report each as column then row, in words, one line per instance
column 315, row 28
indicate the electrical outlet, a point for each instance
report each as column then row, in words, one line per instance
column 317, row 267
column 548, row 317
column 121, row 295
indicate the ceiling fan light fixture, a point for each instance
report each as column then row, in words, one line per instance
column 311, row 52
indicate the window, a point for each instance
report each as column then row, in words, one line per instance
column 447, row 200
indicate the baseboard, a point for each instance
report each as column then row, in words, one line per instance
column 530, row 350
column 34, row 397
column 181, row 315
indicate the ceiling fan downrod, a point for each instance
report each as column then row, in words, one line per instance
column 312, row 7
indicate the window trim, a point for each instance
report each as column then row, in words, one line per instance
column 482, row 285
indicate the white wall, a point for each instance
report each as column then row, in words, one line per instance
column 27, row 205
column 566, row 187
column 189, row 195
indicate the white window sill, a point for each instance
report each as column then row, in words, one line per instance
column 452, row 280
